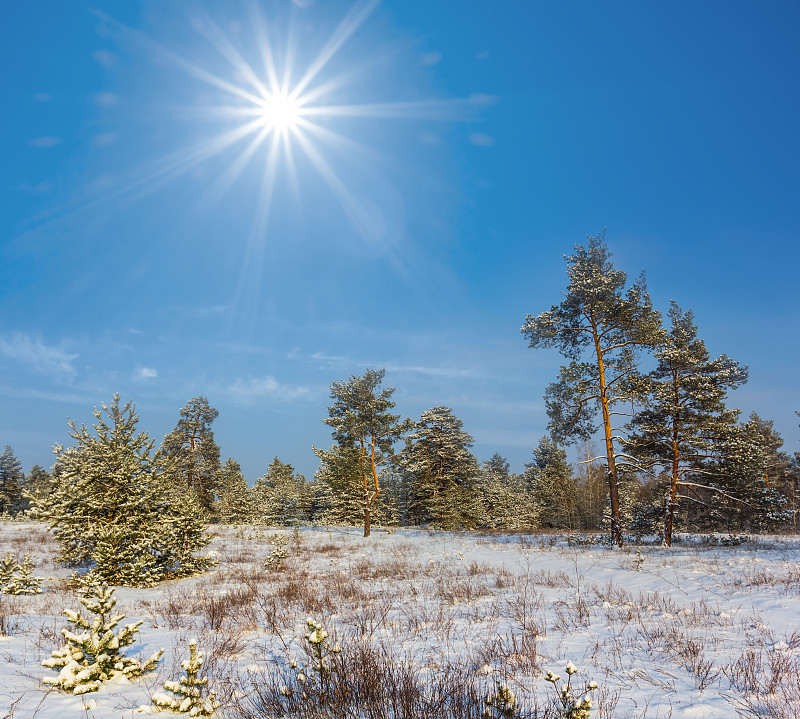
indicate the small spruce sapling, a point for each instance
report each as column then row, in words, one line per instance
column 189, row 691
column 94, row 655
column 23, row 582
column 500, row 704
column 316, row 636
column 7, row 568
column 571, row 705
column 273, row 561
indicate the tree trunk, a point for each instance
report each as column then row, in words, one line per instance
column 366, row 520
column 613, row 489
column 669, row 517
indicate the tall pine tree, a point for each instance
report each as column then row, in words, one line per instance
column 605, row 323
column 684, row 419
column 11, row 478
column 190, row 454
column 364, row 428
column 442, row 472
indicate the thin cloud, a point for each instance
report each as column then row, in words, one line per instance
column 429, row 59
column 44, row 142
column 145, row 373
column 104, row 139
column 42, row 97
column 482, row 99
column 105, row 99
column 249, row 391
column 105, row 58
column 42, row 357
column 483, row 55
column 479, row 139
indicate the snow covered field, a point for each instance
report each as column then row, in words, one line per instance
column 691, row 631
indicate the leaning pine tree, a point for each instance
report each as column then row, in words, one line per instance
column 600, row 326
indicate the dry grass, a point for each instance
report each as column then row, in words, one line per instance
column 429, row 637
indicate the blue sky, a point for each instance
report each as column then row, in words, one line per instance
column 145, row 253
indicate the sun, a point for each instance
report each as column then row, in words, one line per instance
column 280, row 112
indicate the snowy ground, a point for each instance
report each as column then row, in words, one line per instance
column 693, row 631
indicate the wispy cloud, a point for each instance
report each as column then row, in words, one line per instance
column 105, row 99
column 42, row 357
column 431, row 370
column 480, row 139
column 145, row 373
column 483, row 99
column 250, row 390
column 42, row 97
column 27, row 393
column 429, row 59
column 105, row 58
column 104, row 139
column 44, row 142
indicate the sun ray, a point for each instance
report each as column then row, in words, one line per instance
column 354, row 211
column 265, row 48
column 217, row 38
column 352, row 21
column 252, row 273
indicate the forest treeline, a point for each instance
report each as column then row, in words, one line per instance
column 658, row 451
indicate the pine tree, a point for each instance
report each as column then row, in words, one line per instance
column 37, row 486
column 608, row 324
column 339, row 500
column 191, row 455
column 235, row 503
column 741, row 477
column 190, row 693
column 505, row 503
column 442, row 472
column 11, row 478
column 280, row 496
column 8, row 567
column 685, row 418
column 93, row 651
column 552, row 486
column 22, row 581
column 112, row 510
column 361, row 421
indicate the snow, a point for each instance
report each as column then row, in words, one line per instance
column 677, row 634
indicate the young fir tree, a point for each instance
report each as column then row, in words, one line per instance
column 361, row 421
column 8, row 567
column 22, row 581
column 190, row 694
column 505, row 502
column 605, row 323
column 748, row 499
column 281, row 497
column 93, row 651
column 11, row 478
column 37, row 486
column 552, row 486
column 234, row 503
column 191, row 455
column 442, row 472
column 113, row 510
column 684, row 418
